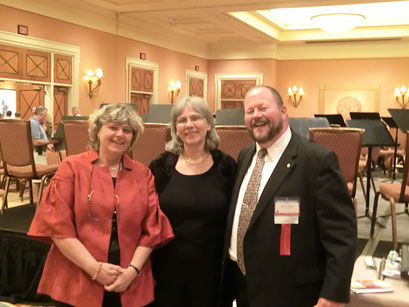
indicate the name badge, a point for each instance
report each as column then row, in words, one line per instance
column 286, row 210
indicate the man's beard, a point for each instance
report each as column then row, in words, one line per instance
column 271, row 133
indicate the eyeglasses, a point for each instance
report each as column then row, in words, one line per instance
column 90, row 193
column 193, row 119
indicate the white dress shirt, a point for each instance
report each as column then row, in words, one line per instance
column 272, row 157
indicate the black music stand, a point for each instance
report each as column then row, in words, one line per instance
column 333, row 119
column 401, row 118
column 392, row 124
column 302, row 125
column 365, row 115
column 59, row 133
column 375, row 135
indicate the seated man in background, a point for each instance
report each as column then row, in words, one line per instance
column 75, row 111
column 39, row 137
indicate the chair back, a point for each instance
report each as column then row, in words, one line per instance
column 233, row 139
column 405, row 179
column 76, row 136
column 230, row 117
column 16, row 144
column 150, row 143
column 346, row 143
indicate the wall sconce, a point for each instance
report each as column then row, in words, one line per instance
column 295, row 94
column 403, row 93
column 174, row 90
column 91, row 77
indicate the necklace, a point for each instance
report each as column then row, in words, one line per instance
column 116, row 168
column 195, row 163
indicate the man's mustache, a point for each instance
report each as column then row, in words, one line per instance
column 259, row 121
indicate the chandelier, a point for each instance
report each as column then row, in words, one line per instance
column 338, row 22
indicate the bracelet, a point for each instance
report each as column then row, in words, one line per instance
column 97, row 271
column 138, row 272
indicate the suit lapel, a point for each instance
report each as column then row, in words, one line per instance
column 282, row 169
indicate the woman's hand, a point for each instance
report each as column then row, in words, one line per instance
column 123, row 281
column 108, row 273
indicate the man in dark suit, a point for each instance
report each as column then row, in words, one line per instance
column 297, row 247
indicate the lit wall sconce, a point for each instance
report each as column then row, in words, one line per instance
column 295, row 94
column 174, row 90
column 402, row 93
column 91, row 77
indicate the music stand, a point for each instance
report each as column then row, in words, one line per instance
column 302, row 125
column 392, row 124
column 333, row 119
column 375, row 135
column 365, row 115
column 401, row 118
column 59, row 132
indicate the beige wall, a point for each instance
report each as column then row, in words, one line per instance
column 99, row 49
column 311, row 74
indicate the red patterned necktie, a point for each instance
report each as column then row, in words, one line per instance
column 249, row 204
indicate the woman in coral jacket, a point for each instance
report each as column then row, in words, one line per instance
column 102, row 214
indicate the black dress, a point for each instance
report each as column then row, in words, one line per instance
column 187, row 270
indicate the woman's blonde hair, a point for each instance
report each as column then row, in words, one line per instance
column 119, row 113
column 175, row 145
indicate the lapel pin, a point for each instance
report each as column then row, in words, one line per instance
column 288, row 165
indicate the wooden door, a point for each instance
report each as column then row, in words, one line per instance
column 143, row 102
column 60, row 104
column 29, row 96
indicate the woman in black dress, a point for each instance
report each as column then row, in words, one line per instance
column 194, row 182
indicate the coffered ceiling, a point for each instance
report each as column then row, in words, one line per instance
column 217, row 29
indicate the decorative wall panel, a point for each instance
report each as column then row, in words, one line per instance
column 37, row 66
column 10, row 64
column 62, row 69
column 196, row 86
column 234, row 91
column 141, row 80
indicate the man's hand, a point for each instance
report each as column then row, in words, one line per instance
column 322, row 302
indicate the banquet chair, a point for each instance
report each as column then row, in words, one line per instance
column 233, row 139
column 76, row 136
column 150, row 143
column 18, row 157
column 2, row 177
column 346, row 143
column 394, row 193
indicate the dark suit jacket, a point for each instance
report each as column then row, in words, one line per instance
column 322, row 244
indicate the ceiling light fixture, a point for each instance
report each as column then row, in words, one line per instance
column 338, row 22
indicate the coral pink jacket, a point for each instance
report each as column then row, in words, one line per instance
column 64, row 213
